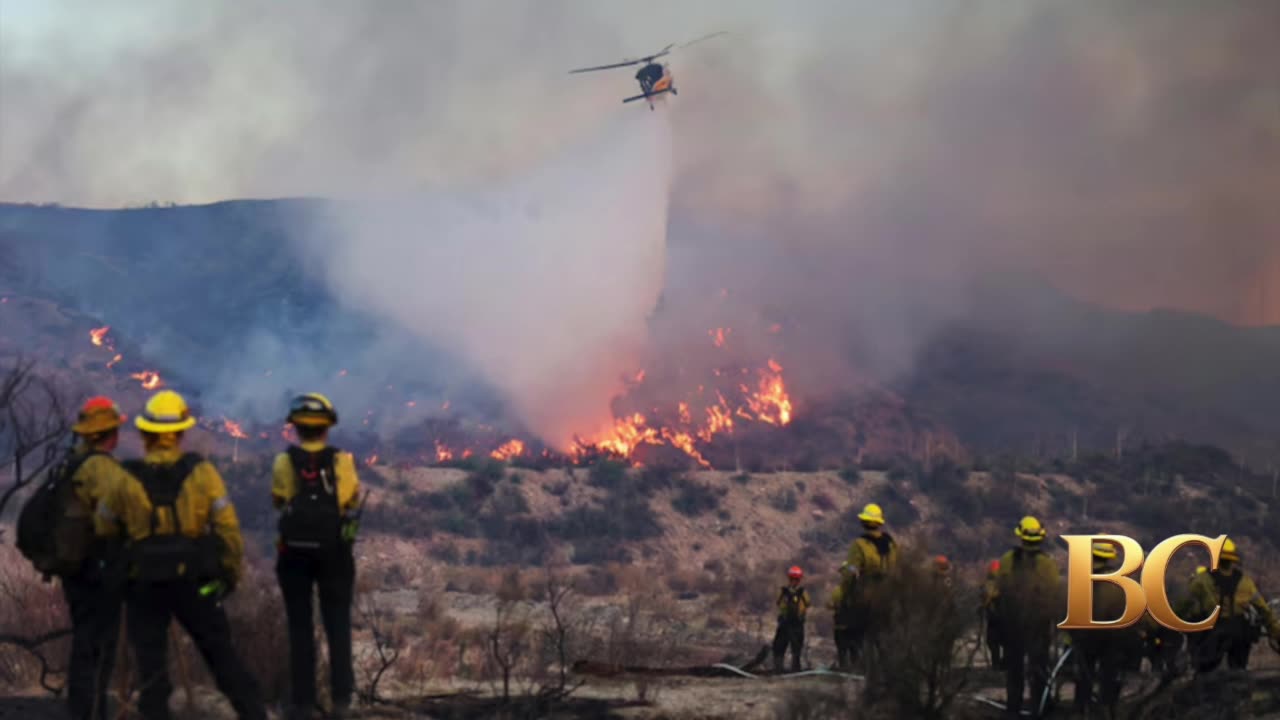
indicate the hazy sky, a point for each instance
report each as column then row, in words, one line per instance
column 1130, row 151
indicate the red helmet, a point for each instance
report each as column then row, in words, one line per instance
column 994, row 567
column 942, row 563
column 795, row 572
column 98, row 414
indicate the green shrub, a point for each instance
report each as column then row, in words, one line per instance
column 851, row 475
column 784, row 500
column 608, row 474
column 694, row 498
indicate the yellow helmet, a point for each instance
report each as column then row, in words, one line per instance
column 1104, row 551
column 312, row 410
column 1201, row 570
column 1030, row 530
column 872, row 515
column 165, row 412
column 1229, row 551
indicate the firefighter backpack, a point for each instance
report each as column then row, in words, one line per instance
column 162, row 558
column 312, row 519
column 55, row 527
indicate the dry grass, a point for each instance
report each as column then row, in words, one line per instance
column 29, row 608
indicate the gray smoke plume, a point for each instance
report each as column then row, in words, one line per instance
column 544, row 285
column 853, row 168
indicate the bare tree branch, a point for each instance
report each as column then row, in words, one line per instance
column 34, row 414
column 32, row 645
column 385, row 652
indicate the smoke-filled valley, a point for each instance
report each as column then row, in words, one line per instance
column 965, row 263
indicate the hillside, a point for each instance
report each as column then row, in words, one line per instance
column 223, row 301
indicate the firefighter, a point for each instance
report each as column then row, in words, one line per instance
column 793, row 606
column 872, row 556
column 840, row 604
column 1101, row 653
column 995, row 643
column 1027, row 586
column 95, row 594
column 942, row 570
column 1244, row 613
column 315, row 487
column 186, row 555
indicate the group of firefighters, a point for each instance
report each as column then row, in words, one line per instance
column 1020, row 604
column 166, row 545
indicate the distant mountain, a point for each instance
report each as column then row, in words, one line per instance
column 226, row 299
column 1032, row 365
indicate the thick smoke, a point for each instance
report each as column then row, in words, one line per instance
column 851, row 169
column 544, row 284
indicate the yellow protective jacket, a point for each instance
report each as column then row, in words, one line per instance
column 202, row 506
column 793, row 603
column 1234, row 592
column 1028, row 587
column 989, row 591
column 98, row 477
column 873, row 556
column 284, row 481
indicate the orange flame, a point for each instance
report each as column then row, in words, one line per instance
column 115, row 360
column 234, row 429
column 508, row 450
column 443, row 453
column 768, row 402
column 718, row 335
column 369, row 461
column 96, row 334
column 150, row 379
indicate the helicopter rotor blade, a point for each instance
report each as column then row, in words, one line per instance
column 704, row 37
column 606, row 67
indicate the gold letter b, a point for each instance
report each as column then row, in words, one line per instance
column 1080, row 580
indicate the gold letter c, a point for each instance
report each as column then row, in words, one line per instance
column 1153, row 581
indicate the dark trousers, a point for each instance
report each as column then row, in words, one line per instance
column 1026, row 654
column 790, row 633
column 332, row 574
column 1232, row 637
column 995, row 640
column 1099, row 656
column 841, row 636
column 95, row 627
column 150, row 608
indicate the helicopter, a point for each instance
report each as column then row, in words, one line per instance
column 654, row 78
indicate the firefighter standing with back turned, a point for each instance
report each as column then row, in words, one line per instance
column 1101, row 652
column 841, row 605
column 991, row 618
column 315, row 488
column 186, row 554
column 872, row 556
column 1027, row 584
column 793, row 606
column 79, row 545
column 1243, row 615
